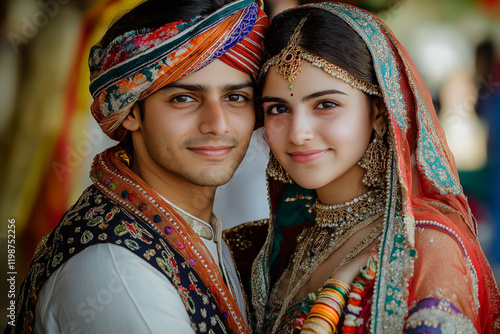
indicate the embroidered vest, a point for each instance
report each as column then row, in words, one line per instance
column 95, row 219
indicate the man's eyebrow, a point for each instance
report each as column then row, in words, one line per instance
column 231, row 87
column 193, row 88
column 204, row 88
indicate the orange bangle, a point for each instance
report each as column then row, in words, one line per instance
column 330, row 304
column 336, row 317
column 324, row 311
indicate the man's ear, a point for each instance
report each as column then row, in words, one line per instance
column 379, row 112
column 133, row 120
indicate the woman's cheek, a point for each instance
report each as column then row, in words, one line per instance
column 274, row 129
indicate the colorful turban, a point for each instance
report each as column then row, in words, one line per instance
column 140, row 62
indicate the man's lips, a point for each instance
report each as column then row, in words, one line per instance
column 306, row 156
column 212, row 151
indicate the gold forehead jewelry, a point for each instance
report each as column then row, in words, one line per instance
column 289, row 61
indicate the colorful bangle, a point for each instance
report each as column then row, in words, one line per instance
column 324, row 315
column 339, row 304
column 322, row 311
column 335, row 295
column 339, row 283
column 332, row 302
column 326, row 324
column 310, row 327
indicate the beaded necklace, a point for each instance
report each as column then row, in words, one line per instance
column 334, row 222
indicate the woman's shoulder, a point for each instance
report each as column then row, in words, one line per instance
column 245, row 241
column 247, row 236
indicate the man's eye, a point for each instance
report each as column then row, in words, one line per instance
column 182, row 99
column 236, row 98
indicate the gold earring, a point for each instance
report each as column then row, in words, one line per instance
column 276, row 171
column 374, row 160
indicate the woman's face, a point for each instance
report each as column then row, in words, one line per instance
column 319, row 129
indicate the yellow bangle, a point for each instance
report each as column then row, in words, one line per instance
column 324, row 322
column 341, row 283
column 313, row 328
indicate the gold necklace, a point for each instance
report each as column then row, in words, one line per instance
column 334, row 221
column 324, row 238
column 341, row 216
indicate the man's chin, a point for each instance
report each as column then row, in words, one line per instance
column 212, row 178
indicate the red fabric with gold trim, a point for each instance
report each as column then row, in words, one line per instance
column 110, row 174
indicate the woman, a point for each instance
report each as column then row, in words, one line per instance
column 360, row 176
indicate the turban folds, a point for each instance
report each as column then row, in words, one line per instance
column 138, row 63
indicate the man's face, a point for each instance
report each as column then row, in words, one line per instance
column 196, row 129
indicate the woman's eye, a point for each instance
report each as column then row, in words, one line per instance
column 326, row 105
column 276, row 110
column 182, row 99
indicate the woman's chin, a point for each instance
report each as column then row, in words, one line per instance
column 309, row 183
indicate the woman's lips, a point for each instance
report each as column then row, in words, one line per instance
column 303, row 157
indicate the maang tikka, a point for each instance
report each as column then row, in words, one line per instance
column 374, row 161
column 289, row 62
column 276, row 171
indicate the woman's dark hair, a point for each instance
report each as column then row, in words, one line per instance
column 323, row 34
column 153, row 14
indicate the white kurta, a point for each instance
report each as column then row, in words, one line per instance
column 108, row 289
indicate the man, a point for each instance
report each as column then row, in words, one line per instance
column 141, row 251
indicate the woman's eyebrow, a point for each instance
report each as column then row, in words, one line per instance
column 273, row 99
column 305, row 98
column 321, row 93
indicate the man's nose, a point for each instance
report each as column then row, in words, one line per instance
column 213, row 119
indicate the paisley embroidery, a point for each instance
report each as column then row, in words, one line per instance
column 87, row 236
column 133, row 245
column 95, row 221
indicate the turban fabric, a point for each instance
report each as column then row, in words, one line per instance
column 138, row 63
